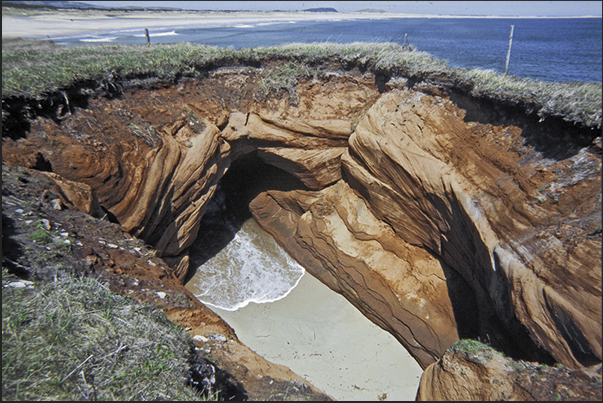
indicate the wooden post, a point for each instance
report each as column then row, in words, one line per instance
column 509, row 50
column 146, row 33
column 404, row 44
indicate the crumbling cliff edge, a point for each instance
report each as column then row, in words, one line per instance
column 441, row 216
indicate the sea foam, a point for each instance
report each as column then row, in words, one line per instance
column 154, row 34
column 251, row 268
column 108, row 39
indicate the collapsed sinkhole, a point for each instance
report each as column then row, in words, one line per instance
column 247, row 177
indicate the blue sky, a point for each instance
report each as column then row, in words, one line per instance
column 503, row 8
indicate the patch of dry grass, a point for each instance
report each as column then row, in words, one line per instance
column 35, row 69
column 72, row 339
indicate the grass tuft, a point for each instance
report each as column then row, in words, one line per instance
column 74, row 340
column 469, row 346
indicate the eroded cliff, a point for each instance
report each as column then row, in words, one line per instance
column 472, row 371
column 436, row 215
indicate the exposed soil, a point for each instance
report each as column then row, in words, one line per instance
column 68, row 138
column 81, row 245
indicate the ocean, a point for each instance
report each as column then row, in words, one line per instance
column 546, row 49
column 252, row 267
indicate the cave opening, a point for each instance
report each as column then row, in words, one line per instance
column 228, row 210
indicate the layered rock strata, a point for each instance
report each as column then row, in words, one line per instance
column 334, row 235
column 464, row 192
column 434, row 226
column 471, row 195
column 487, row 375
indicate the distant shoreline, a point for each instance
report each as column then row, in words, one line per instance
column 19, row 23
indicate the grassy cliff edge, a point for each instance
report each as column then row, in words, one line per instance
column 37, row 69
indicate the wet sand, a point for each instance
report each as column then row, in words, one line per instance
column 309, row 328
column 319, row 335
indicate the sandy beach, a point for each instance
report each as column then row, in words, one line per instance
column 41, row 24
column 76, row 22
column 319, row 335
column 309, row 328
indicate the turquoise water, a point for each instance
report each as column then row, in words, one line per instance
column 554, row 50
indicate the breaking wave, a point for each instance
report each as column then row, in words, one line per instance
column 251, row 268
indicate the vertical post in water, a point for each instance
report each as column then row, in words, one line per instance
column 509, row 50
column 146, row 33
column 404, row 44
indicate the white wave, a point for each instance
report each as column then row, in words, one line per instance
column 171, row 33
column 110, row 39
column 263, row 24
column 154, row 34
column 256, row 300
column 244, row 26
column 251, row 268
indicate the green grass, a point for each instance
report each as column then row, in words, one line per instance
column 472, row 347
column 32, row 68
column 40, row 236
column 575, row 102
column 285, row 79
column 74, row 340
column 35, row 69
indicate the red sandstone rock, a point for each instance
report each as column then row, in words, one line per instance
column 77, row 195
column 433, row 226
column 461, row 191
column 488, row 376
column 335, row 236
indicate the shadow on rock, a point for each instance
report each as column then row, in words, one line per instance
column 213, row 382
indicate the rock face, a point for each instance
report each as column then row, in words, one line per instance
column 334, row 235
column 463, row 192
column 434, row 225
column 486, row 375
column 471, row 196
